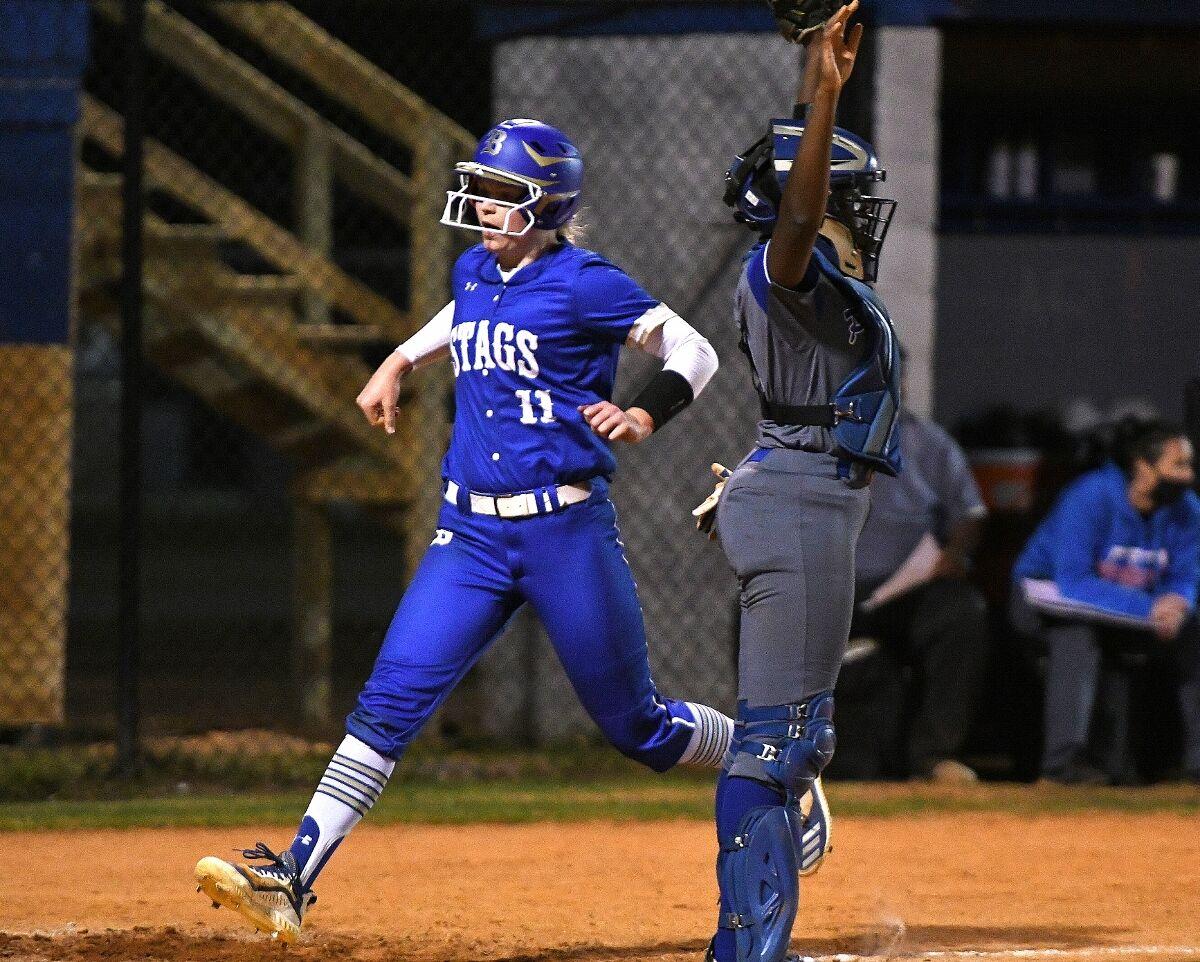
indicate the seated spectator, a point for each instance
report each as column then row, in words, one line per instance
column 1112, row 574
column 913, row 598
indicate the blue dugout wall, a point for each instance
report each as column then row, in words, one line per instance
column 43, row 48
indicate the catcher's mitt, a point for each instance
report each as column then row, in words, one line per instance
column 798, row 18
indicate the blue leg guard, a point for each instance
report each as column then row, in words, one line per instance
column 758, row 871
column 758, row 868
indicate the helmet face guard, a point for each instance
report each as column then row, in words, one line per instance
column 527, row 153
column 868, row 219
column 460, row 204
column 754, row 186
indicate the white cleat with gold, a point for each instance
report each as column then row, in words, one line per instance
column 270, row 897
column 817, row 835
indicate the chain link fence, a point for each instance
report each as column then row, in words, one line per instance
column 293, row 182
column 295, row 165
column 35, row 436
column 658, row 119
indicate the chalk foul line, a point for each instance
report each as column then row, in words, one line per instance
column 1085, row 952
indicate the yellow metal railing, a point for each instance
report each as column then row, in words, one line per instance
column 434, row 140
column 323, row 155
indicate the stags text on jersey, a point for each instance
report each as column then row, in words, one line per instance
column 484, row 346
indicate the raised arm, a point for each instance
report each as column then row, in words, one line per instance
column 828, row 63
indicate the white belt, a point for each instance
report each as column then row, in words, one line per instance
column 520, row 505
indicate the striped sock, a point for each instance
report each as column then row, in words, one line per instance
column 710, row 738
column 350, row 786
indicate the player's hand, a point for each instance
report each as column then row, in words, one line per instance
column 609, row 421
column 1168, row 613
column 832, row 51
column 377, row 400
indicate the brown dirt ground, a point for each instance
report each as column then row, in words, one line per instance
column 605, row 892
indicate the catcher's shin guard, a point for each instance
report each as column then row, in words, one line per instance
column 758, row 871
column 758, row 868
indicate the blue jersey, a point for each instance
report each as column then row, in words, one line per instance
column 1100, row 550
column 526, row 355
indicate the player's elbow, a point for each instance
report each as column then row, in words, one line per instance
column 802, row 222
column 803, row 217
column 707, row 363
column 695, row 360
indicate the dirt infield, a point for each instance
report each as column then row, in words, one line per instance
column 1093, row 886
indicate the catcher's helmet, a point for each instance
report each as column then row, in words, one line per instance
column 528, row 153
column 754, row 186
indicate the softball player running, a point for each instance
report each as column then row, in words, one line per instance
column 533, row 333
column 825, row 364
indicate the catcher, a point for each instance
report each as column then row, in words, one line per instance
column 824, row 361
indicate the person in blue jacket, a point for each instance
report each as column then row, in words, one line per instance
column 1125, row 540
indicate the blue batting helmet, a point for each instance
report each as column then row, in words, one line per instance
column 754, row 186
column 528, row 153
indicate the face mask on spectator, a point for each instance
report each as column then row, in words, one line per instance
column 1167, row 492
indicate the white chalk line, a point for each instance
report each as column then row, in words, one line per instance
column 1085, row 952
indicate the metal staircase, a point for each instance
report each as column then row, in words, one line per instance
column 262, row 348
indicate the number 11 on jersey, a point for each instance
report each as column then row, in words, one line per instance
column 527, row 412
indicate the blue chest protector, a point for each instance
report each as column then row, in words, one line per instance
column 863, row 414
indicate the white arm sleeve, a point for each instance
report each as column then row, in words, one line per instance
column 432, row 342
column 683, row 349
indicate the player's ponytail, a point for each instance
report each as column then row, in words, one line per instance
column 574, row 230
column 1135, row 438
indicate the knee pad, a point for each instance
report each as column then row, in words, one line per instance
column 758, row 871
column 787, row 746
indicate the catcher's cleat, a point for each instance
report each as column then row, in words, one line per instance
column 270, row 897
column 817, row 836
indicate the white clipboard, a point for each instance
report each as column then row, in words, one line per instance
column 1044, row 596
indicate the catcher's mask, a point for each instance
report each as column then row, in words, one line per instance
column 534, row 156
column 754, row 187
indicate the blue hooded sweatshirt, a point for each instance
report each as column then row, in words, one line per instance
column 1101, row 551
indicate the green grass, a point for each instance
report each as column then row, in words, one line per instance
column 511, row 802
column 623, row 797
column 269, row 764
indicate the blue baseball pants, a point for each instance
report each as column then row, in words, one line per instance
column 480, row 569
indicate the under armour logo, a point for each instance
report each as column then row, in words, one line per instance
column 442, row 536
column 307, row 840
column 471, row 285
column 853, row 328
